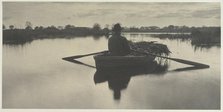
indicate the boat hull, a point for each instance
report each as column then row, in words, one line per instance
column 104, row 62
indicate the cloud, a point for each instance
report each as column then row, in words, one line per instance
column 87, row 13
column 184, row 13
column 169, row 15
column 105, row 11
column 206, row 13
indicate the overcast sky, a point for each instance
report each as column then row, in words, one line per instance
column 128, row 14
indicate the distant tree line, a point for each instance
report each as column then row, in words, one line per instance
column 29, row 33
column 197, row 34
column 166, row 29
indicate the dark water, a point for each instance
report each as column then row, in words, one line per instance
column 35, row 76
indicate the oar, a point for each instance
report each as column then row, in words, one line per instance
column 78, row 62
column 176, row 59
column 80, row 56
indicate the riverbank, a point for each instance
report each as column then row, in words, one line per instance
column 199, row 36
column 26, row 35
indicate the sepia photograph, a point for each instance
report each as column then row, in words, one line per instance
column 111, row 55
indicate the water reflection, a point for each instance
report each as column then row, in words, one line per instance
column 200, row 47
column 198, row 44
column 18, row 43
column 77, row 62
column 96, row 37
column 118, row 79
column 190, row 68
column 42, row 66
column 23, row 42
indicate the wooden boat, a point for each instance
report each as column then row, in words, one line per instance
column 107, row 61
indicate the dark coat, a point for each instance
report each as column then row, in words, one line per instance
column 118, row 45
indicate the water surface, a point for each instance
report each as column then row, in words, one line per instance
column 35, row 76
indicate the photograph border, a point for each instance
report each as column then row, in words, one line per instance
column 101, row 110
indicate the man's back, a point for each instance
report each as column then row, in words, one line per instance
column 118, row 45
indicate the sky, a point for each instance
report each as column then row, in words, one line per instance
column 127, row 13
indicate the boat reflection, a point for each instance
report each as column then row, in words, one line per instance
column 118, row 79
column 190, row 68
column 70, row 59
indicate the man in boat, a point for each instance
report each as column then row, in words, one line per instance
column 117, row 44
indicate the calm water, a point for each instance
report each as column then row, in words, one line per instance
column 35, row 76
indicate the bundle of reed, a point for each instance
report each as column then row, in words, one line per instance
column 150, row 47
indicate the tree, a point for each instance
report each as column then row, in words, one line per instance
column 41, row 28
column 153, row 28
column 170, row 28
column 96, row 27
column 28, row 25
column 184, row 28
column 69, row 26
column 11, row 27
column 142, row 28
column 36, row 28
column 52, row 27
column 60, row 27
column 134, row 29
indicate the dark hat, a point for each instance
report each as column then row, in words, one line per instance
column 117, row 28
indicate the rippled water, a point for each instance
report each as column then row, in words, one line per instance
column 35, row 76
